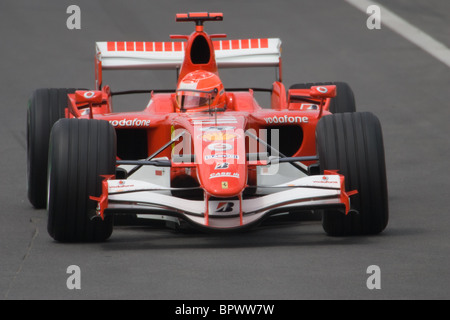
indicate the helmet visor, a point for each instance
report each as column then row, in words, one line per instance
column 190, row 99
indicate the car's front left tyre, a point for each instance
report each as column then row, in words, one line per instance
column 352, row 144
column 81, row 151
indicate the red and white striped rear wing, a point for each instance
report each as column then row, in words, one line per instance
column 170, row 55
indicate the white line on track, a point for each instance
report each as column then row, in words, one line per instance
column 407, row 30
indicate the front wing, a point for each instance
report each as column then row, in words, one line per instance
column 144, row 198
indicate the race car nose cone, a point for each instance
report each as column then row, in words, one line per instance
column 223, row 173
column 221, row 149
column 224, row 187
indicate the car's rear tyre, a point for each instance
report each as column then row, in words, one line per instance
column 80, row 152
column 344, row 100
column 352, row 143
column 45, row 107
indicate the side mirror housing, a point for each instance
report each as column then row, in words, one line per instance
column 323, row 92
column 91, row 97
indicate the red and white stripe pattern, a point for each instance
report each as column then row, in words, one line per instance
column 121, row 46
column 241, row 44
column 130, row 46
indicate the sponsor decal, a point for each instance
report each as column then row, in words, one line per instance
column 122, row 185
column 322, row 89
column 210, row 121
column 224, row 175
column 188, row 85
column 89, row 94
column 286, row 119
column 224, row 184
column 218, row 136
column 220, row 147
column 130, row 123
column 225, row 207
column 221, row 156
column 221, row 128
column 309, row 106
column 325, row 179
column 221, row 166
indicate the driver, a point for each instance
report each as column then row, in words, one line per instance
column 200, row 91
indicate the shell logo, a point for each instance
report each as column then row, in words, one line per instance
column 219, row 136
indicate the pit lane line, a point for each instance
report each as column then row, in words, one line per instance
column 407, row 31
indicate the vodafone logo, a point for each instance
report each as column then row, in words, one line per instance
column 286, row 119
column 322, row 89
column 130, row 123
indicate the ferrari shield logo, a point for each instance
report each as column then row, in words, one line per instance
column 224, row 184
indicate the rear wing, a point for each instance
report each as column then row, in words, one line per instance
column 170, row 55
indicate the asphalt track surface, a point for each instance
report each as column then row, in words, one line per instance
column 324, row 40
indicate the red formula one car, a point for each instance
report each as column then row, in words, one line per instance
column 202, row 154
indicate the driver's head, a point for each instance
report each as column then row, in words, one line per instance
column 200, row 90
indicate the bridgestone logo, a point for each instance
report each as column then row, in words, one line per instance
column 130, row 123
column 286, row 119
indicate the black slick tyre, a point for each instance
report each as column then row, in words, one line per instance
column 45, row 107
column 352, row 143
column 80, row 152
column 344, row 100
